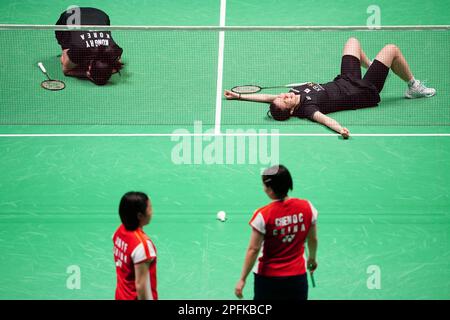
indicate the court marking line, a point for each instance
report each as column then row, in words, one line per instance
column 236, row 134
column 223, row 6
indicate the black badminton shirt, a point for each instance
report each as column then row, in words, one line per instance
column 343, row 93
column 82, row 43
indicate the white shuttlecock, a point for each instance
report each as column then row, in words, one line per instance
column 222, row 216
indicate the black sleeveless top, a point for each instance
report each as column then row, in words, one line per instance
column 343, row 93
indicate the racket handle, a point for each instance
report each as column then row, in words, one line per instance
column 295, row 84
column 312, row 280
column 41, row 66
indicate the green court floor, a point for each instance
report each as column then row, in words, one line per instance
column 383, row 201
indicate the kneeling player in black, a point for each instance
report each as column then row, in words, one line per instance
column 348, row 91
column 88, row 54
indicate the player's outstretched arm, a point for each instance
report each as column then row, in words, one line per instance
column 331, row 123
column 256, row 97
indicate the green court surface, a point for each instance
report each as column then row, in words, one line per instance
column 382, row 196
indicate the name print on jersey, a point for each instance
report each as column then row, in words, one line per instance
column 120, row 247
column 95, row 39
column 288, row 226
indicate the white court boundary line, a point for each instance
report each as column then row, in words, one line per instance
column 223, row 6
column 268, row 134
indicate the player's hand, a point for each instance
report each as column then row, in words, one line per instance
column 238, row 289
column 312, row 265
column 230, row 95
column 345, row 133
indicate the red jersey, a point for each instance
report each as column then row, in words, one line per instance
column 285, row 225
column 130, row 248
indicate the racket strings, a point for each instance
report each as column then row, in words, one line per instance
column 53, row 85
column 246, row 89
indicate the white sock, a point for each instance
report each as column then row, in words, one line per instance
column 412, row 82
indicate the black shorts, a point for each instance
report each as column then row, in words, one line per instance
column 281, row 288
column 376, row 74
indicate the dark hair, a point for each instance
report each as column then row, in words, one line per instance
column 131, row 204
column 104, row 61
column 278, row 179
column 278, row 113
column 100, row 72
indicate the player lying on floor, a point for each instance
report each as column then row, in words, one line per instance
column 88, row 54
column 348, row 91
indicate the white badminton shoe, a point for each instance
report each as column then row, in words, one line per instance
column 419, row 90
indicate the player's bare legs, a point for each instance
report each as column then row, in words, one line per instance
column 353, row 47
column 392, row 57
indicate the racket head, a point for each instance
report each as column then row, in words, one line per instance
column 249, row 88
column 53, row 85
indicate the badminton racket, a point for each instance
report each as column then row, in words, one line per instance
column 50, row 84
column 313, row 282
column 311, row 269
column 251, row 88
